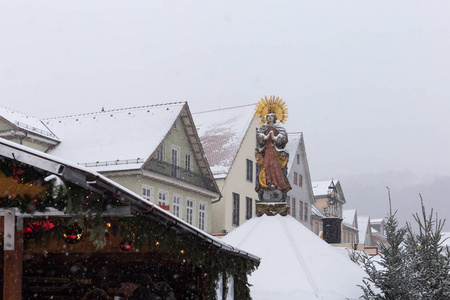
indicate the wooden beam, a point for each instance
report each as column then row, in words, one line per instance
column 12, row 271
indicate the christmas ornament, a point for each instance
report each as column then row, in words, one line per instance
column 73, row 234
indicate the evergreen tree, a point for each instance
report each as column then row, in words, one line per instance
column 429, row 261
column 412, row 266
column 386, row 281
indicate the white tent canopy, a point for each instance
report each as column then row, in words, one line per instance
column 295, row 263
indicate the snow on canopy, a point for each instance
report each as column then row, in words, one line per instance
column 221, row 133
column 126, row 136
column 295, row 263
column 26, row 122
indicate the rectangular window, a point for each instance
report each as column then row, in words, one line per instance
column 298, row 159
column 236, row 203
column 175, row 162
column 162, row 198
column 249, row 211
column 189, row 210
column 300, row 180
column 188, row 162
column 301, row 210
column 147, row 192
column 160, row 153
column 295, row 178
column 176, row 205
column 294, row 204
column 249, row 170
column 201, row 215
column 306, row 212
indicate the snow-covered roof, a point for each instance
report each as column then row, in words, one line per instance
column 54, row 164
column 363, row 222
column 320, row 188
column 222, row 132
column 348, row 216
column 376, row 221
column 27, row 122
column 115, row 139
column 292, row 146
column 295, row 263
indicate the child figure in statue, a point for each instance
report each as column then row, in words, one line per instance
column 270, row 155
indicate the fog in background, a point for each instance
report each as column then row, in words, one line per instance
column 365, row 81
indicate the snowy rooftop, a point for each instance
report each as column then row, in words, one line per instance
column 348, row 216
column 376, row 221
column 363, row 222
column 320, row 188
column 26, row 122
column 102, row 139
column 295, row 263
column 221, row 133
column 52, row 164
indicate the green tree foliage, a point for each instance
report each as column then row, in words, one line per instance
column 428, row 260
column 412, row 266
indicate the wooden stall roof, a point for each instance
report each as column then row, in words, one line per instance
column 99, row 183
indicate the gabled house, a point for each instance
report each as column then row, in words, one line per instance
column 26, row 130
column 329, row 197
column 350, row 232
column 229, row 138
column 365, row 235
column 152, row 150
column 329, row 200
column 301, row 197
column 378, row 234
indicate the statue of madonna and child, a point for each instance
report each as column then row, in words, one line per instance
column 272, row 183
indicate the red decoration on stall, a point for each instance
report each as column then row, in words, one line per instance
column 73, row 234
column 38, row 227
column 126, row 245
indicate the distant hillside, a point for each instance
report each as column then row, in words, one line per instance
column 368, row 194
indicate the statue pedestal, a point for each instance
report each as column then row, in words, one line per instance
column 272, row 209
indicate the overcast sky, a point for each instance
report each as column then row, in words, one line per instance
column 366, row 81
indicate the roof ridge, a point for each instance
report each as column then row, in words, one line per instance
column 218, row 109
column 116, row 110
column 16, row 111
